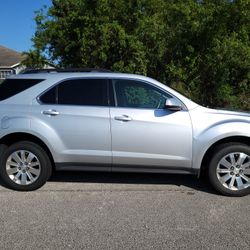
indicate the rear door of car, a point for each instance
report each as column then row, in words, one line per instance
column 77, row 111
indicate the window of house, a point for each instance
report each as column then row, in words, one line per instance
column 5, row 73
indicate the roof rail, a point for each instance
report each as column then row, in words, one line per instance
column 59, row 70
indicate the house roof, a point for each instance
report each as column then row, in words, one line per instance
column 9, row 57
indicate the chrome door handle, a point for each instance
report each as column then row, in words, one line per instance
column 51, row 112
column 123, row 118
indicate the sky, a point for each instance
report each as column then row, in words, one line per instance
column 17, row 25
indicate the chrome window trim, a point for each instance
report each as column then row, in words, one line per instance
column 145, row 82
column 108, row 78
column 68, row 79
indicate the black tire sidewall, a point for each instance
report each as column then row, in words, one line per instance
column 39, row 153
column 220, row 152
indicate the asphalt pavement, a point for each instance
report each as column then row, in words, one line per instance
column 123, row 211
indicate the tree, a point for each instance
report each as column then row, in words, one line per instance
column 201, row 48
column 34, row 59
column 84, row 34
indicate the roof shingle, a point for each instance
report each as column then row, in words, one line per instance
column 9, row 57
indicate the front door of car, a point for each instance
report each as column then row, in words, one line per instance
column 77, row 113
column 144, row 133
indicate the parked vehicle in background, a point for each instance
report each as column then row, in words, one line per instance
column 104, row 121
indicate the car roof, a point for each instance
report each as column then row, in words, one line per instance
column 63, row 75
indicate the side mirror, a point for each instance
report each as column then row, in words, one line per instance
column 173, row 105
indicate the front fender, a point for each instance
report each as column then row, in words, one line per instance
column 211, row 135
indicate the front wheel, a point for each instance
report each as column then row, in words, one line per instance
column 24, row 166
column 229, row 169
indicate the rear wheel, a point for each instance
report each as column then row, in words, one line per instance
column 24, row 166
column 229, row 169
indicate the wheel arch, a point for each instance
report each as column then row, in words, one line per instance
column 232, row 139
column 22, row 136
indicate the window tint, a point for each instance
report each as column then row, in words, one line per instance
column 91, row 92
column 136, row 94
column 50, row 97
column 11, row 87
column 111, row 95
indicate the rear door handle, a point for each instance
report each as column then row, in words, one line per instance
column 123, row 118
column 51, row 112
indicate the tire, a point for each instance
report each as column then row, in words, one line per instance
column 24, row 166
column 229, row 169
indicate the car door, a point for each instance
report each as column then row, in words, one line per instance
column 144, row 133
column 77, row 112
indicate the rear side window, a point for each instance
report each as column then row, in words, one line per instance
column 91, row 92
column 50, row 97
column 11, row 87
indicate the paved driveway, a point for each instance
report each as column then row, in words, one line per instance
column 123, row 211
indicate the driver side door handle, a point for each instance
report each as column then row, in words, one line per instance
column 123, row 118
column 51, row 112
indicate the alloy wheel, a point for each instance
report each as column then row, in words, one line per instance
column 23, row 167
column 233, row 171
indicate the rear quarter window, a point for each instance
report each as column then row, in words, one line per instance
column 11, row 87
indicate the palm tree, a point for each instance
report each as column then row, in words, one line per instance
column 34, row 59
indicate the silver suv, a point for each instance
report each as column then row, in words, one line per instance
column 103, row 121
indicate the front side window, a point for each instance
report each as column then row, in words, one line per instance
column 136, row 94
column 90, row 92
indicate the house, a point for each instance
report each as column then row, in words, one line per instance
column 10, row 62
